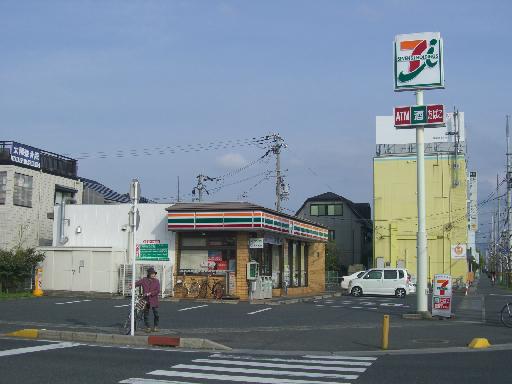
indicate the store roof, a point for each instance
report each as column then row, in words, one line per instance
column 232, row 206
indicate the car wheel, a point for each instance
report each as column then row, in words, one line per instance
column 400, row 292
column 356, row 291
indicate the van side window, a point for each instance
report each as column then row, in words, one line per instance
column 374, row 275
column 389, row 275
column 400, row 274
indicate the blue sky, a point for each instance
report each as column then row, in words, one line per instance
column 88, row 76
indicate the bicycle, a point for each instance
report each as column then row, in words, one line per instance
column 140, row 305
column 506, row 315
column 183, row 289
column 215, row 289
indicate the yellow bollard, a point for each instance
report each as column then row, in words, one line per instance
column 38, row 291
column 385, row 332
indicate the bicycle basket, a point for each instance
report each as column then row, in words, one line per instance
column 141, row 304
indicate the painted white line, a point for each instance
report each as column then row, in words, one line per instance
column 319, row 305
column 391, row 305
column 261, row 310
column 331, row 357
column 20, row 351
column 264, row 372
column 186, row 309
column 281, row 360
column 356, row 307
column 59, row 303
column 120, row 306
column 337, row 306
column 227, row 378
column 275, row 365
column 346, row 302
column 372, row 308
column 497, row 294
column 151, row 381
column 87, row 300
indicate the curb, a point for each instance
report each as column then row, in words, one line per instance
column 112, row 339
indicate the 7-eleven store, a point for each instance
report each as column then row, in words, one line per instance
column 219, row 239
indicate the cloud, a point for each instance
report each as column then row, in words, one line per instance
column 231, row 161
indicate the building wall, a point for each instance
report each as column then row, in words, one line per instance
column 350, row 242
column 395, row 212
column 31, row 226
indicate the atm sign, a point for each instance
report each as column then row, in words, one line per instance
column 419, row 115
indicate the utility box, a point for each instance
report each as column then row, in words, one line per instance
column 267, row 286
column 252, row 270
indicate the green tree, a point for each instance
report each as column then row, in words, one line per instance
column 16, row 265
column 331, row 256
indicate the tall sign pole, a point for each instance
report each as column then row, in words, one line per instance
column 418, row 65
column 509, row 203
column 134, row 195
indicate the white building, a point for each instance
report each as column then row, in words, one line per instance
column 91, row 248
column 32, row 181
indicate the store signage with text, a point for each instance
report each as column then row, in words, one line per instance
column 419, row 115
column 442, row 296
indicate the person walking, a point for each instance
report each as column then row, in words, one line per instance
column 151, row 289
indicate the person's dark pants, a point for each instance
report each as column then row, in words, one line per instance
column 156, row 317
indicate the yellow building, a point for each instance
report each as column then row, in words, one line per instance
column 395, row 207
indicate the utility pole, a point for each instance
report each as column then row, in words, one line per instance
column 281, row 193
column 200, row 187
column 178, row 189
column 508, row 243
column 134, row 195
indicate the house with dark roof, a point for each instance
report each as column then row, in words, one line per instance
column 350, row 226
column 97, row 193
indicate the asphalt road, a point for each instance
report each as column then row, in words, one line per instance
column 336, row 324
column 62, row 363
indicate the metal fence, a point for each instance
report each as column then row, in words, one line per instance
column 332, row 281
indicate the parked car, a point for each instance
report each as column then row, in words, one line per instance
column 381, row 281
column 346, row 279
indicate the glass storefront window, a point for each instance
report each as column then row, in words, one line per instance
column 276, row 266
column 295, row 265
column 208, row 253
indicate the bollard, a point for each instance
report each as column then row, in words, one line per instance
column 385, row 332
column 38, row 291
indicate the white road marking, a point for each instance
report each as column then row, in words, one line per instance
column 120, row 306
column 245, row 379
column 367, row 303
column 391, row 304
column 372, row 308
column 39, row 348
column 337, row 306
column 275, row 365
column 264, row 372
column 261, row 310
column 151, row 381
column 72, row 302
column 336, row 357
column 319, row 305
column 356, row 307
column 281, row 360
column 497, row 294
column 346, row 302
column 186, row 309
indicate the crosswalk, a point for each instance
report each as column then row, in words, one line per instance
column 228, row 368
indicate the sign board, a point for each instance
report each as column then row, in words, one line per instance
column 419, row 115
column 459, row 251
column 473, row 204
column 152, row 251
column 256, row 243
column 418, row 61
column 442, row 296
column 26, row 155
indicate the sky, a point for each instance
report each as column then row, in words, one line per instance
column 82, row 77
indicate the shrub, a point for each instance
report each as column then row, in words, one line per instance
column 16, row 265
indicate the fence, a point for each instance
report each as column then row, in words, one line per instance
column 332, row 281
column 125, row 278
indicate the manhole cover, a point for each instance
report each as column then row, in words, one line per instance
column 431, row 341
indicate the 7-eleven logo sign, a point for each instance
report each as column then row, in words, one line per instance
column 418, row 61
column 442, row 286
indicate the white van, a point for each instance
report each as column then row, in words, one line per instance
column 381, row 281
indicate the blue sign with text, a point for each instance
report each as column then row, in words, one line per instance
column 26, row 155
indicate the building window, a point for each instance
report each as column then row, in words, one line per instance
column 3, row 186
column 332, row 235
column 22, row 190
column 326, row 210
column 209, row 253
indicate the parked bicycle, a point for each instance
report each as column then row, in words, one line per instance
column 140, row 304
column 211, row 286
column 183, row 289
column 506, row 315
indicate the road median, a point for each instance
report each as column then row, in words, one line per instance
column 113, row 339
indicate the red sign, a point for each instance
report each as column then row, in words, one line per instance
column 419, row 115
column 442, row 303
column 402, row 116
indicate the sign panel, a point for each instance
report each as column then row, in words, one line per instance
column 26, row 155
column 442, row 296
column 152, row 250
column 459, row 251
column 418, row 61
column 256, row 243
column 419, row 115
column 473, row 203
